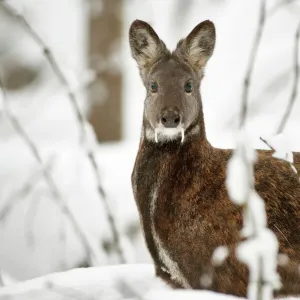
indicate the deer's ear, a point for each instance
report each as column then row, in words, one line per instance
column 146, row 47
column 198, row 46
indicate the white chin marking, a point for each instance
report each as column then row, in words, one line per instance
column 162, row 134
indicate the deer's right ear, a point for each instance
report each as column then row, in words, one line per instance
column 146, row 47
column 198, row 46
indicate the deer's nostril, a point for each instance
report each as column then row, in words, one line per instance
column 170, row 119
column 163, row 120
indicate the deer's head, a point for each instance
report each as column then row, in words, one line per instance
column 172, row 79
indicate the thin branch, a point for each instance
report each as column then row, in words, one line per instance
column 284, row 159
column 47, row 176
column 294, row 93
column 1, row 279
column 254, row 51
column 50, row 58
column 80, row 118
column 21, row 194
column 293, row 97
column 245, row 99
column 63, row 243
column 265, row 141
column 30, row 217
column 116, row 238
column 279, row 5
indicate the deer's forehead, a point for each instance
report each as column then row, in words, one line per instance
column 171, row 71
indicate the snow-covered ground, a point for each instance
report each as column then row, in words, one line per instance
column 125, row 282
column 109, row 283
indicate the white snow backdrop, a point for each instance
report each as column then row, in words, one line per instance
column 36, row 238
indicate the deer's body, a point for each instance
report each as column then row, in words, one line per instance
column 179, row 183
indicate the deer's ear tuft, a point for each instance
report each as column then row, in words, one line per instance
column 198, row 46
column 146, row 47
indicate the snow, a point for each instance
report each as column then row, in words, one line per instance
column 239, row 176
column 36, row 227
column 219, row 256
column 37, row 239
column 74, row 177
column 109, row 283
column 282, row 147
column 260, row 250
column 92, row 281
column 128, row 282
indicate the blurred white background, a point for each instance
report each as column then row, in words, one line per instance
column 35, row 237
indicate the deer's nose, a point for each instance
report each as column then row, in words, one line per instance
column 170, row 119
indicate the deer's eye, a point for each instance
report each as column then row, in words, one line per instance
column 188, row 87
column 154, row 87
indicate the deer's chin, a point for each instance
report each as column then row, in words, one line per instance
column 161, row 134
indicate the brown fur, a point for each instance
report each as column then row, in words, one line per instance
column 194, row 214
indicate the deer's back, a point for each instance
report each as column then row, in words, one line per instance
column 186, row 212
column 279, row 186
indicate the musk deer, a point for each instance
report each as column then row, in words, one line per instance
column 179, row 178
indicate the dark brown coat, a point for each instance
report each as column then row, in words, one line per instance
column 185, row 210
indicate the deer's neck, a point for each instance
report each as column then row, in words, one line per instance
column 195, row 146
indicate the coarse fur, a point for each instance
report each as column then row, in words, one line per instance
column 179, row 181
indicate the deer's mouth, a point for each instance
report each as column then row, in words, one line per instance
column 163, row 134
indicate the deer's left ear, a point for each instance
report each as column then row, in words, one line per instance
column 146, row 46
column 198, row 46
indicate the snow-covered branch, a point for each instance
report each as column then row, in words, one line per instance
column 278, row 142
column 294, row 93
column 23, row 191
column 89, row 248
column 259, row 250
column 279, row 5
column 87, row 137
column 251, row 63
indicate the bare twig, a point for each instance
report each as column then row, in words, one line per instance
column 293, row 97
column 263, row 140
column 279, row 5
column 63, row 242
column 30, row 217
column 22, row 193
column 48, row 177
column 116, row 239
column 254, row 51
column 1, row 279
column 82, row 123
column 294, row 93
column 50, row 58
column 259, row 284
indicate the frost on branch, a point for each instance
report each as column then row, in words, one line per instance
column 239, row 175
column 87, row 138
column 219, row 256
column 259, row 250
column 259, row 253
